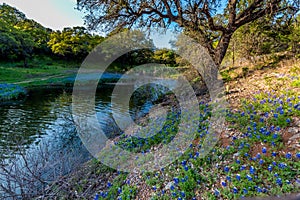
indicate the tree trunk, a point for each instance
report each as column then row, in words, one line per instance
column 25, row 62
column 222, row 47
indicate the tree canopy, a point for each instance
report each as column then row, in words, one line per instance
column 210, row 22
column 73, row 43
column 22, row 38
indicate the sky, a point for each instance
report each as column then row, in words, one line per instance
column 57, row 14
column 54, row 14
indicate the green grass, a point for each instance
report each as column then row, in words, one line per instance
column 37, row 70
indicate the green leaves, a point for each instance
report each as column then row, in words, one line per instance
column 73, row 43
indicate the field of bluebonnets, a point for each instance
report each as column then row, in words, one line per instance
column 260, row 156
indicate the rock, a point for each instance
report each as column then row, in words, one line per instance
column 168, row 186
column 293, row 130
column 297, row 122
column 295, row 137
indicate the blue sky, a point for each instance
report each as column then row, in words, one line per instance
column 54, row 14
column 57, row 14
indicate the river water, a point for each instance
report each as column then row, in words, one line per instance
column 38, row 134
column 41, row 130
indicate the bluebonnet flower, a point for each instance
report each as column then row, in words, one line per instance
column 186, row 168
column 266, row 114
column 172, row 187
column 288, row 155
column 258, row 189
column 176, row 180
column 119, row 190
column 226, row 169
column 274, row 153
column 270, row 168
column 228, row 178
column 96, row 197
column 154, row 188
column 274, row 163
column 235, row 190
column 275, row 115
column 258, row 156
column 182, row 193
column 261, row 161
column 281, row 112
column 243, row 167
column 282, row 165
column 249, row 177
column 217, row 192
column 252, row 170
column 104, row 194
column 239, row 162
column 245, row 191
column 109, row 184
column 279, row 181
column 288, row 120
column 238, row 177
column 298, row 155
column 264, row 150
column 224, row 184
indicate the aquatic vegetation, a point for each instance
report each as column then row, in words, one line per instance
column 11, row 92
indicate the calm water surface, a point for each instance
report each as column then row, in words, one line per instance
column 44, row 120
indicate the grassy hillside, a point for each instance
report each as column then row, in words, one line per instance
column 258, row 153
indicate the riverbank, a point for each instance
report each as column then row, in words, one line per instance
column 17, row 81
column 258, row 153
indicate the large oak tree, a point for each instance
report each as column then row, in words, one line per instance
column 210, row 22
